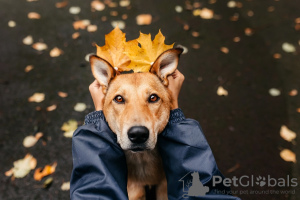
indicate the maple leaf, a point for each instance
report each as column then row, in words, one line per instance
column 113, row 50
column 143, row 56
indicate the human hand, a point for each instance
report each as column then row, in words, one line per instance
column 97, row 94
column 175, row 82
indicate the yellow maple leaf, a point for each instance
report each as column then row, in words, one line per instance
column 113, row 50
column 143, row 56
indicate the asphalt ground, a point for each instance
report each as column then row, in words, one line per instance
column 241, row 128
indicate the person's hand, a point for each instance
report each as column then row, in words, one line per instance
column 175, row 82
column 97, row 95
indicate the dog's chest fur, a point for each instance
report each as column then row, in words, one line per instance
column 145, row 167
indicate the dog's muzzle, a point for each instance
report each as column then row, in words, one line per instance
column 138, row 135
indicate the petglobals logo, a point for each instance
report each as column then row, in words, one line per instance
column 251, row 181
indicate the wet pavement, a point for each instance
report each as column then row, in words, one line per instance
column 241, row 128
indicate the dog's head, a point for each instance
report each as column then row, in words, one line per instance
column 137, row 105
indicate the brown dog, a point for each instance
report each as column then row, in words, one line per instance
column 137, row 108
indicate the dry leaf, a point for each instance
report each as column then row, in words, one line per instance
column 28, row 68
column 65, row 186
column 204, row 13
column 144, row 55
column 195, row 34
column 293, row 92
column 51, row 108
column 224, row 50
column 231, row 4
column 248, row 31
column 114, row 13
column 75, row 35
column 277, row 56
column 39, row 46
column 178, row 9
column 31, row 140
column 235, row 167
column 274, row 92
column 236, row 39
column 119, row 23
column 288, row 155
column 196, row 46
column 144, row 19
column 113, row 50
column 222, row 92
column 124, row 3
column 79, row 107
column 287, row 134
column 37, row 97
column 298, row 110
column 69, row 127
column 61, row 4
column 97, row 5
column 250, row 13
column 48, row 182
column 62, row 94
column 11, row 24
column 41, row 173
column 28, row 40
column 289, row 48
column 92, row 28
column 34, row 15
column 74, row 10
column 22, row 167
column 55, row 52
column 81, row 24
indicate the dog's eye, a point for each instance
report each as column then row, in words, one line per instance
column 119, row 99
column 153, row 98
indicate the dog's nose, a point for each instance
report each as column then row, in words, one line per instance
column 138, row 134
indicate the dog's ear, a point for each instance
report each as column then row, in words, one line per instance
column 166, row 64
column 102, row 70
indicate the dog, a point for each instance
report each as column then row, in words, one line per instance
column 137, row 108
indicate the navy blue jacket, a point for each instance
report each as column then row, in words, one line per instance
column 99, row 164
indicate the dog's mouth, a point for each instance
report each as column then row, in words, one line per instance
column 138, row 149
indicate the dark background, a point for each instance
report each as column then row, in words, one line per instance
column 241, row 128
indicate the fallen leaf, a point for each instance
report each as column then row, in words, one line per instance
column 248, row 31
column 51, row 108
column 114, row 13
column 28, row 40
column 22, row 167
column 287, row 134
column 39, row 46
column 61, row 4
column 144, row 55
column 288, row 155
column 221, row 91
column 31, row 140
column 124, row 16
column 62, row 94
column 224, row 50
column 144, row 19
column 250, row 13
column 289, row 48
column 195, row 34
column 79, row 107
column 48, row 182
column 75, row 35
column 65, row 186
column 277, row 56
column 12, row 24
column 186, row 27
column 55, row 52
column 293, row 92
column 195, row 46
column 204, row 13
column 112, row 4
column 119, row 23
column 124, row 3
column 28, row 68
column 231, row 4
column 114, row 48
column 236, row 39
column 178, row 9
column 235, row 167
column 47, row 170
column 298, row 110
column 34, row 15
column 69, row 127
column 81, row 24
column 37, row 97
column 74, row 10
column 92, row 28
column 97, row 5
column 274, row 92
column 271, row 9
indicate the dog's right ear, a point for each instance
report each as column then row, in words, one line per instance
column 102, row 70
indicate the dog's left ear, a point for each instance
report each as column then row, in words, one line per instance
column 166, row 64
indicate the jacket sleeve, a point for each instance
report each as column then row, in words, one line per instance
column 184, row 150
column 99, row 164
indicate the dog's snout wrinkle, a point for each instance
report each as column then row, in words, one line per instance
column 138, row 134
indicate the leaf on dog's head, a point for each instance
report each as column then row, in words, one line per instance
column 113, row 50
column 143, row 56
